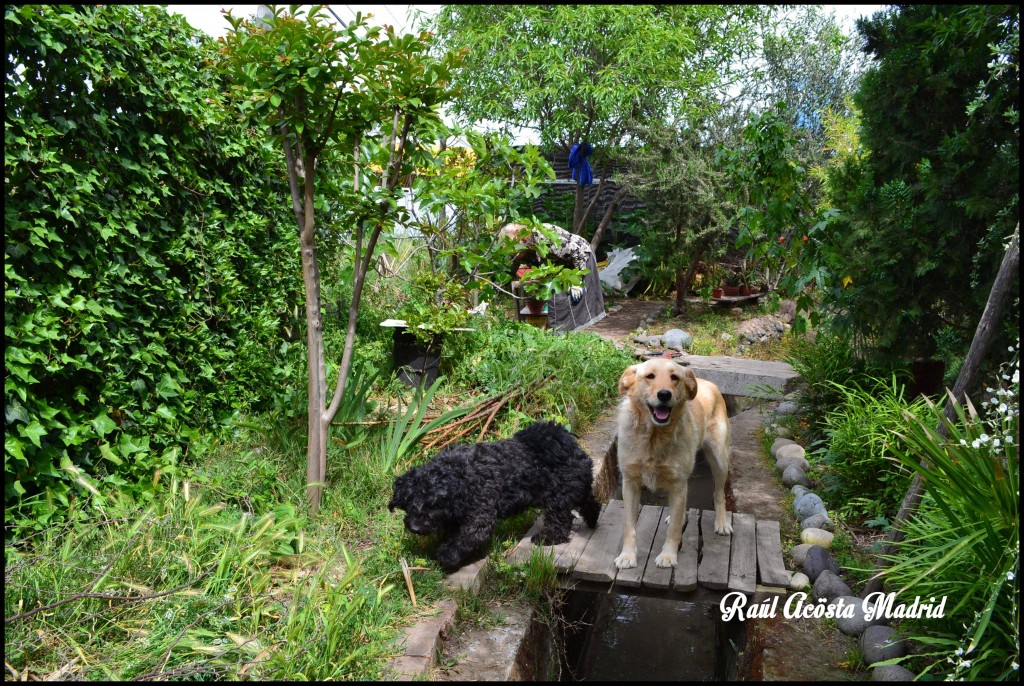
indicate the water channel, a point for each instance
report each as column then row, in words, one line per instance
column 621, row 636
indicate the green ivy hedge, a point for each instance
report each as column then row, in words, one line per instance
column 149, row 272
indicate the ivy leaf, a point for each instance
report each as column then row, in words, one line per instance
column 103, row 424
column 33, row 432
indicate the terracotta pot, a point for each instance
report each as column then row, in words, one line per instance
column 535, row 306
column 717, row 293
column 523, row 269
column 731, row 290
column 744, row 290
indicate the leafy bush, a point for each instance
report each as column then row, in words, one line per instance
column 964, row 541
column 145, row 288
column 827, row 363
column 860, row 478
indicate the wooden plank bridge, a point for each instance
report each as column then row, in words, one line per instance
column 751, row 556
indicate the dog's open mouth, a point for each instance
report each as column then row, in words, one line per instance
column 660, row 413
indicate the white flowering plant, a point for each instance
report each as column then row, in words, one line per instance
column 964, row 540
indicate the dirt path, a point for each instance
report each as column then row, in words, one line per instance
column 624, row 316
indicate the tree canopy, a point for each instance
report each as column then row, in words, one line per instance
column 927, row 209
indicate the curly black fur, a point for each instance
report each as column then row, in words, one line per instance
column 466, row 489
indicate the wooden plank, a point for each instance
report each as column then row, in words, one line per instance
column 685, row 576
column 597, row 561
column 521, row 553
column 655, row 576
column 566, row 554
column 743, row 555
column 713, row 571
column 769, row 554
column 646, row 527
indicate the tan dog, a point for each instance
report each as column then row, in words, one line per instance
column 665, row 415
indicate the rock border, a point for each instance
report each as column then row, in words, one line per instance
column 877, row 640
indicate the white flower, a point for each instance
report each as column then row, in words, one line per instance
column 995, row 443
column 1015, row 666
column 966, row 663
column 959, row 652
column 1009, row 577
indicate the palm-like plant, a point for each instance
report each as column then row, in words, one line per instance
column 964, row 542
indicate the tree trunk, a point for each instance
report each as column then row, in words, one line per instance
column 998, row 297
column 685, row 277
column 606, row 219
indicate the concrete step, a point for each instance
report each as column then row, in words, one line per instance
column 739, row 376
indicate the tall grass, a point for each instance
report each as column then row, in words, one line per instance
column 859, row 476
column 186, row 588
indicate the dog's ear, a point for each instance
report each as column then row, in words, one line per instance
column 627, row 379
column 689, row 382
column 402, row 490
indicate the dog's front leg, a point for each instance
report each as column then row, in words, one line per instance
column 631, row 498
column 467, row 542
column 677, row 516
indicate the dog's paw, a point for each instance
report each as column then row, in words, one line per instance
column 666, row 560
column 723, row 528
column 547, row 538
column 626, row 560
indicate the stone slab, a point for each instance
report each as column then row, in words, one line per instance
column 741, row 376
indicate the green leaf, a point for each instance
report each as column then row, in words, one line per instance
column 103, row 424
column 33, row 432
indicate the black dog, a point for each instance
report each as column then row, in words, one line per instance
column 466, row 489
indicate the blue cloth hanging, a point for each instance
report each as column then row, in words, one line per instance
column 581, row 171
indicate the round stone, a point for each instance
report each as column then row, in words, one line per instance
column 676, row 339
column 828, row 585
column 783, row 432
column 799, row 553
column 792, row 450
column 807, row 505
column 891, row 673
column 817, row 537
column 818, row 560
column 856, row 624
column 879, row 643
column 794, row 475
column 787, row 407
column 798, row 581
column 792, row 461
column 778, row 443
column 817, row 521
column 798, row 491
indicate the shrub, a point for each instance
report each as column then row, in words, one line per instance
column 828, row 363
column 861, row 478
column 145, row 288
column 964, row 541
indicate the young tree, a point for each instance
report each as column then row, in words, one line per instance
column 354, row 98
column 685, row 192
column 591, row 73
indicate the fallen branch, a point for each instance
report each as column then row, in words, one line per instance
column 104, row 596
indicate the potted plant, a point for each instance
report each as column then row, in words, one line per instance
column 732, row 284
column 541, row 282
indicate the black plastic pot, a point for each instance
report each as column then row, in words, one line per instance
column 415, row 363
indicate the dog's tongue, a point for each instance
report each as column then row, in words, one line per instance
column 661, row 414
